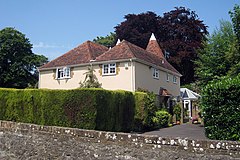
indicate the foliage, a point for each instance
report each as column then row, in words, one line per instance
column 161, row 119
column 219, row 56
column 138, row 28
column 140, row 111
column 18, row 65
column 145, row 111
column 183, row 34
column 179, row 32
column 221, row 109
column 235, row 16
column 90, row 80
column 82, row 108
column 177, row 111
column 108, row 41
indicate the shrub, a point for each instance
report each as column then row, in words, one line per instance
column 177, row 111
column 161, row 119
column 81, row 108
column 144, row 111
column 221, row 109
column 140, row 111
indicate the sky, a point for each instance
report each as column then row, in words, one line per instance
column 57, row 26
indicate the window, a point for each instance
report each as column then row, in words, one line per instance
column 109, row 69
column 167, row 77
column 62, row 73
column 155, row 73
column 174, row 79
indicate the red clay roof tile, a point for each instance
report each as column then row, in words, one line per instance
column 154, row 47
column 127, row 50
column 81, row 54
column 124, row 50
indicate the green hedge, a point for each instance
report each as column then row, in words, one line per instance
column 145, row 111
column 82, row 108
column 161, row 119
column 221, row 109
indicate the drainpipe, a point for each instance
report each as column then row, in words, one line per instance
column 132, row 76
column 39, row 78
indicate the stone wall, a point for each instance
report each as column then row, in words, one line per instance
column 30, row 141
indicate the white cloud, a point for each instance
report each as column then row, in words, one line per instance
column 43, row 45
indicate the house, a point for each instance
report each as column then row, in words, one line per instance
column 188, row 99
column 125, row 66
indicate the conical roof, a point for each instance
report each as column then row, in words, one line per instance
column 154, row 47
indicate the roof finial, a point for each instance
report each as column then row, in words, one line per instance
column 153, row 37
column 118, row 41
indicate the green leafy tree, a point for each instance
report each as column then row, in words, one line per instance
column 90, row 80
column 18, row 64
column 108, row 41
column 235, row 16
column 219, row 56
column 179, row 32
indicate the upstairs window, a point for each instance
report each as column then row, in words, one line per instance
column 174, row 79
column 167, row 77
column 62, row 73
column 155, row 73
column 109, row 69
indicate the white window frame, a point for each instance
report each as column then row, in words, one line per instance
column 109, row 69
column 167, row 77
column 63, row 73
column 155, row 73
column 174, row 79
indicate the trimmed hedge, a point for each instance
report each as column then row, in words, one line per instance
column 221, row 109
column 81, row 108
column 145, row 111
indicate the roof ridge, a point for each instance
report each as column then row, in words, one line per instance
column 129, row 47
column 89, row 49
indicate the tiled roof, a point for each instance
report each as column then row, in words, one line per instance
column 127, row 50
column 81, row 54
column 164, row 92
column 154, row 48
column 124, row 50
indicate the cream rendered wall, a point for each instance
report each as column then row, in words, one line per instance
column 47, row 79
column 145, row 80
column 122, row 80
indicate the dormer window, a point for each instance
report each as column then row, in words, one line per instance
column 62, row 73
column 155, row 73
column 109, row 69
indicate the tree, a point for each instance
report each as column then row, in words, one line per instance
column 18, row 64
column 219, row 56
column 107, row 41
column 90, row 80
column 179, row 32
column 137, row 29
column 235, row 16
column 183, row 34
